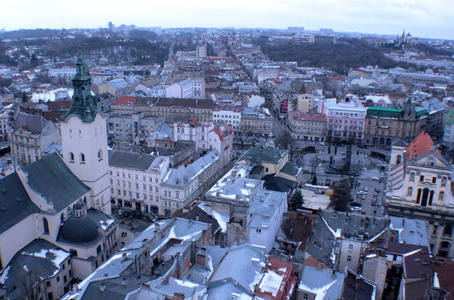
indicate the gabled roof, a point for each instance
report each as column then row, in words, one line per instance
column 435, row 153
column 65, row 187
column 420, row 145
column 15, row 204
column 400, row 143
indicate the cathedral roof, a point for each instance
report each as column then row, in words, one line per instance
column 54, row 181
column 79, row 230
column 15, row 204
column 421, row 144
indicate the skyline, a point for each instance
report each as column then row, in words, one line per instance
column 388, row 17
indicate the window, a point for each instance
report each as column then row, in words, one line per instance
column 71, row 157
column 441, row 196
column 443, row 182
column 410, row 191
column 99, row 155
column 349, row 258
column 258, row 230
column 412, row 177
column 434, row 179
column 82, row 158
column 350, row 247
column 45, row 226
column 421, row 178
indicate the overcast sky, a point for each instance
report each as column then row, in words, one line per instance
column 422, row 18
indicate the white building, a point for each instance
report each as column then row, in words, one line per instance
column 135, row 180
column 189, row 89
column 207, row 136
column 84, row 141
column 264, row 218
column 345, row 120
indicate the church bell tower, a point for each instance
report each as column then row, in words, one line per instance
column 84, row 141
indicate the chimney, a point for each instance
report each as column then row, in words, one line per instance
column 201, row 259
column 166, row 280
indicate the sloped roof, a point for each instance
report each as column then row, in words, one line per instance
column 400, row 143
column 65, row 187
column 130, row 160
column 30, row 123
column 264, row 154
column 420, row 145
column 242, row 265
column 15, row 204
column 125, row 100
column 291, row 169
column 39, row 258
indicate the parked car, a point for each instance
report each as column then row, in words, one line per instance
column 120, row 212
column 137, row 214
column 373, row 202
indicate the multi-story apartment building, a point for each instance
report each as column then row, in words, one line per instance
column 448, row 134
column 207, row 136
column 135, row 180
column 171, row 110
column 384, row 125
column 31, row 136
column 131, row 129
column 256, row 121
column 181, row 186
column 345, row 120
column 229, row 114
column 187, row 89
column 308, row 127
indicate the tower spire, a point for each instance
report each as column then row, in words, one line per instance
column 83, row 104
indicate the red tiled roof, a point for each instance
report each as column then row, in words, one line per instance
column 421, row 144
column 125, row 100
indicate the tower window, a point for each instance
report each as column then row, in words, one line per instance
column 100, row 155
column 45, row 226
column 71, row 157
column 82, row 158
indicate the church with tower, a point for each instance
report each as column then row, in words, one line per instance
column 55, row 213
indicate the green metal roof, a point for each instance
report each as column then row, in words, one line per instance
column 290, row 169
column 384, row 112
column 264, row 154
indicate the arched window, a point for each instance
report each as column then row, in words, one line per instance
column 412, row 177
column 398, row 159
column 82, row 158
column 45, row 226
column 410, row 191
column 62, row 217
column 443, row 182
column 71, row 157
column 100, row 154
column 441, row 196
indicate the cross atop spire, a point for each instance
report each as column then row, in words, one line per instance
column 83, row 104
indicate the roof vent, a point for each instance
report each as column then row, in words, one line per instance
column 2, row 208
column 18, row 199
column 3, row 190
